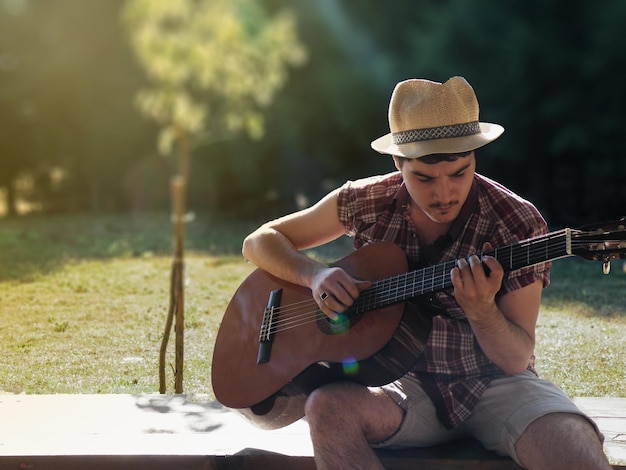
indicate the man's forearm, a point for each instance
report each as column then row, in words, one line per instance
column 273, row 252
column 507, row 345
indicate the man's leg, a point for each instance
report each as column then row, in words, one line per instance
column 344, row 419
column 561, row 441
column 535, row 423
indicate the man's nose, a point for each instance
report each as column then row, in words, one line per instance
column 443, row 191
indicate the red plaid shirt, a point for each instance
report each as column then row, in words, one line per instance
column 453, row 369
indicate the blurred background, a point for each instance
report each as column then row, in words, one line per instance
column 268, row 104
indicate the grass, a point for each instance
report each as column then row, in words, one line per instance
column 581, row 329
column 83, row 302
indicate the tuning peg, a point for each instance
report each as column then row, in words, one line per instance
column 606, row 267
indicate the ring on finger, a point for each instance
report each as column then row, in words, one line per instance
column 324, row 296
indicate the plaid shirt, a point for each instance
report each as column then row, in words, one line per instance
column 453, row 369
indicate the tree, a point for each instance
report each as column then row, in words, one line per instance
column 551, row 78
column 21, row 51
column 213, row 67
column 67, row 79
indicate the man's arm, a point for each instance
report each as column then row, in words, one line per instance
column 275, row 247
column 505, row 328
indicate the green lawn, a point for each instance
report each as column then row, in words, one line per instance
column 83, row 302
column 581, row 331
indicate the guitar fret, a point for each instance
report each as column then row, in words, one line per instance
column 441, row 276
column 394, row 290
column 449, row 266
column 406, row 288
column 385, row 284
column 432, row 276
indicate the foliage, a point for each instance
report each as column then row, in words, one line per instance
column 544, row 76
column 213, row 65
column 69, row 82
column 66, row 103
column 551, row 79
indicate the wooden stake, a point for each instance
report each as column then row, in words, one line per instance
column 177, row 295
column 179, row 185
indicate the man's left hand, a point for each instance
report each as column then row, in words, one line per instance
column 476, row 282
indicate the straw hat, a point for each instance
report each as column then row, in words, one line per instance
column 428, row 117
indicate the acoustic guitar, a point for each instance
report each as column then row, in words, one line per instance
column 275, row 346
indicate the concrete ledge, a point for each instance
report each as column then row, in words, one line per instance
column 173, row 432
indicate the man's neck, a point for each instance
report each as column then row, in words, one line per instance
column 428, row 231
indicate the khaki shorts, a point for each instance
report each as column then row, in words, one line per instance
column 500, row 417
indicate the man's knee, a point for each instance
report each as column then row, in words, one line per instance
column 562, row 424
column 317, row 403
column 555, row 439
column 328, row 400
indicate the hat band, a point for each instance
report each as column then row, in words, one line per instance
column 434, row 133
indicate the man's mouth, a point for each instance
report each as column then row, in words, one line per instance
column 444, row 207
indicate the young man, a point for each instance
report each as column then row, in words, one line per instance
column 476, row 376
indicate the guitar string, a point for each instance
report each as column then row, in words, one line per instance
column 290, row 320
column 294, row 320
column 437, row 279
column 305, row 317
column 293, row 315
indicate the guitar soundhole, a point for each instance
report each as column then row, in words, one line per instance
column 346, row 320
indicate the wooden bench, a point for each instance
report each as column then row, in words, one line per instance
column 158, row 432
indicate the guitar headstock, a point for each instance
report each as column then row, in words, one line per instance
column 601, row 242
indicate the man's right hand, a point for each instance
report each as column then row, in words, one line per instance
column 335, row 290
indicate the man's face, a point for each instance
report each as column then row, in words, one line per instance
column 438, row 190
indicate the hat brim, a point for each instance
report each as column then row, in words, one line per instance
column 488, row 133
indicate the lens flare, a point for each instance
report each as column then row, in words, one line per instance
column 350, row 366
column 341, row 325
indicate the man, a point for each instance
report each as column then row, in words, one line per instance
column 476, row 376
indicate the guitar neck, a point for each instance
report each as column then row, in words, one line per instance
column 529, row 252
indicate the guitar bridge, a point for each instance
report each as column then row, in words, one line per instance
column 266, row 334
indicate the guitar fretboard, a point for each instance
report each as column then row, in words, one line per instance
column 435, row 278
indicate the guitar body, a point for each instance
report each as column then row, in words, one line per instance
column 372, row 348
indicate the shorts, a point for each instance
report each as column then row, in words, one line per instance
column 500, row 417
